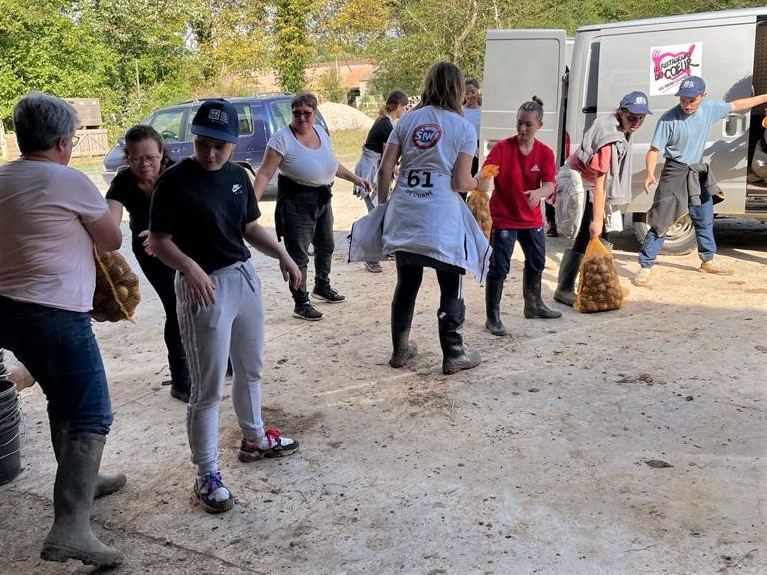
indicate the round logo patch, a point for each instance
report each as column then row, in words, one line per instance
column 426, row 136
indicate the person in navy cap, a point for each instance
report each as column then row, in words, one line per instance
column 202, row 210
column 681, row 135
column 599, row 171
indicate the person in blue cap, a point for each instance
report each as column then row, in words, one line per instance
column 202, row 210
column 600, row 171
column 681, row 135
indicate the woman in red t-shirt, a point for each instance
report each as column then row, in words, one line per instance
column 526, row 175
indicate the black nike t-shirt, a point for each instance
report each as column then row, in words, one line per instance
column 205, row 212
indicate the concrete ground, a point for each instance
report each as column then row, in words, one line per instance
column 542, row 460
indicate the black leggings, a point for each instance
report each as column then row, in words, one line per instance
column 409, row 279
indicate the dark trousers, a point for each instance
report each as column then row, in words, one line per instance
column 533, row 244
column 409, row 278
column 308, row 221
column 161, row 278
column 59, row 349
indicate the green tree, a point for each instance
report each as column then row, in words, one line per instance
column 43, row 48
column 293, row 50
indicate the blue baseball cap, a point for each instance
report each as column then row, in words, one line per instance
column 636, row 103
column 691, row 87
column 217, row 119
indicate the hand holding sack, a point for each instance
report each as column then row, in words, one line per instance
column 117, row 291
column 600, row 288
column 479, row 201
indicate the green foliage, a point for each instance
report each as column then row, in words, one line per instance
column 329, row 86
column 292, row 49
column 136, row 55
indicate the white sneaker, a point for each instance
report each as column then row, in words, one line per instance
column 713, row 266
column 642, row 277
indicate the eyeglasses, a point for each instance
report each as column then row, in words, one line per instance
column 75, row 141
column 304, row 113
column 145, row 160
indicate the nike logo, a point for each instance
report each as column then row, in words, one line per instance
column 236, row 189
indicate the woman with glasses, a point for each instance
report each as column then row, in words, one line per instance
column 304, row 214
column 132, row 189
column 51, row 216
column 600, row 170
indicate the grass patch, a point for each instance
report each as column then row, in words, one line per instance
column 347, row 145
column 88, row 165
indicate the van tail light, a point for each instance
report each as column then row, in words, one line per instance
column 567, row 146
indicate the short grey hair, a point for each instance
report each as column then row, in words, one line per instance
column 41, row 120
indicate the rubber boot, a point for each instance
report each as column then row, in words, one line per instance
column 71, row 536
column 403, row 350
column 106, row 484
column 493, row 292
column 454, row 358
column 568, row 271
column 531, row 291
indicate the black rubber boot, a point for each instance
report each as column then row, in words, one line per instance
column 568, row 271
column 454, row 358
column 493, row 292
column 403, row 350
column 71, row 536
column 531, row 291
column 106, row 484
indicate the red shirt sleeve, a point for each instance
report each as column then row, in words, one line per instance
column 600, row 161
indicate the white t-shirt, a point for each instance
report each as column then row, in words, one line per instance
column 304, row 165
column 473, row 115
column 425, row 215
column 47, row 254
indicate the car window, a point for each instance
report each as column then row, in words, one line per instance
column 282, row 113
column 245, row 116
column 168, row 124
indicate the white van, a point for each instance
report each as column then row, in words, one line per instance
column 603, row 62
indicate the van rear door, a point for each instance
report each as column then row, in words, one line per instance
column 520, row 64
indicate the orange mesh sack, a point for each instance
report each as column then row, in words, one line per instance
column 117, row 292
column 479, row 201
column 600, row 288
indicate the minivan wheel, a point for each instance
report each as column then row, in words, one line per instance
column 680, row 238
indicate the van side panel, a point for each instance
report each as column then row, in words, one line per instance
column 520, row 64
column 723, row 57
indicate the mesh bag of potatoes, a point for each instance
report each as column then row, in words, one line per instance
column 117, row 291
column 600, row 288
column 479, row 201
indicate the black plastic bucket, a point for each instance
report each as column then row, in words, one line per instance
column 10, row 432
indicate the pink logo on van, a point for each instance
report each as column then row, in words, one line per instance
column 669, row 65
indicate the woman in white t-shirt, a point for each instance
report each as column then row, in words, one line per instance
column 426, row 223
column 472, row 111
column 303, row 214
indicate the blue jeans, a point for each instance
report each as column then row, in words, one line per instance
column 533, row 244
column 702, row 218
column 60, row 351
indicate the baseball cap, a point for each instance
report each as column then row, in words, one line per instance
column 636, row 103
column 217, row 119
column 691, row 87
